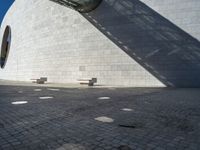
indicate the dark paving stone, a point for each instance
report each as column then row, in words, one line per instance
column 160, row 119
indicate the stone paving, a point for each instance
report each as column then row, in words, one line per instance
column 42, row 118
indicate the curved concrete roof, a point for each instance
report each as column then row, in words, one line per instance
column 80, row 5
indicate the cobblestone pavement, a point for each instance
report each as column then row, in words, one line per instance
column 42, row 118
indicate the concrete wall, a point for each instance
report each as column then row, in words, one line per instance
column 183, row 13
column 167, row 51
column 59, row 43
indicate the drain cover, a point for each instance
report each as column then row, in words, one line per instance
column 124, row 147
column 133, row 125
column 127, row 126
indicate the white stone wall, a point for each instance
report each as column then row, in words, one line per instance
column 59, row 43
column 183, row 13
column 54, row 41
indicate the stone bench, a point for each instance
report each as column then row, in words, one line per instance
column 88, row 81
column 41, row 80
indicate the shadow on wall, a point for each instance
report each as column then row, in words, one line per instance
column 166, row 51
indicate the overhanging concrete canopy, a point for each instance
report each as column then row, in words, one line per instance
column 80, row 5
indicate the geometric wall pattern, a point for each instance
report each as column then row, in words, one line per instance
column 147, row 43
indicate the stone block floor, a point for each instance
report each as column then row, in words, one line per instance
column 42, row 118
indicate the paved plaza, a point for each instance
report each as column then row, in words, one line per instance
column 46, row 118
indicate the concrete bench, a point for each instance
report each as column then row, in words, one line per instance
column 88, row 81
column 41, row 80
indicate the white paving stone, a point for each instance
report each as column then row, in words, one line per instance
column 104, row 119
column 127, row 109
column 46, row 97
column 19, row 102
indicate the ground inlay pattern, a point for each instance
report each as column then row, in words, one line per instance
column 160, row 119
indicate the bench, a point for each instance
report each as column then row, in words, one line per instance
column 88, row 81
column 41, row 80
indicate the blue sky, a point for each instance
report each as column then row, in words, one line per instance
column 4, row 5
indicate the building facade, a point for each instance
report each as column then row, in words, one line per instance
column 139, row 43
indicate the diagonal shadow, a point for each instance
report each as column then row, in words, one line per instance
column 162, row 48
